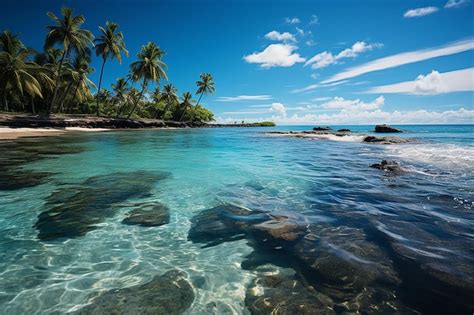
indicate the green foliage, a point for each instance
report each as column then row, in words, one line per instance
column 264, row 124
column 57, row 79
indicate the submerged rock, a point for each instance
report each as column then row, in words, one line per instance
column 285, row 293
column 386, row 140
column 279, row 228
column 388, row 166
column 77, row 210
column 343, row 130
column 386, row 129
column 148, row 215
column 169, row 293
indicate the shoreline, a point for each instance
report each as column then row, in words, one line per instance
column 20, row 126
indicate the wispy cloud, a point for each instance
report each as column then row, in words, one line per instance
column 317, row 86
column 420, row 12
column 244, row 98
column 432, row 83
column 314, row 19
column 402, row 59
column 456, row 4
column 275, row 55
column 293, row 20
column 325, row 58
column 277, row 36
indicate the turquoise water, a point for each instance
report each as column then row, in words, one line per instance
column 422, row 220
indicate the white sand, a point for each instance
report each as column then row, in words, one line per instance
column 7, row 133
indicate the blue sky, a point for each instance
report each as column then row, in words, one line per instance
column 295, row 62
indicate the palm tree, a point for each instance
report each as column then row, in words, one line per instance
column 18, row 74
column 68, row 33
column 120, row 89
column 186, row 103
column 205, row 85
column 80, row 70
column 156, row 95
column 109, row 45
column 148, row 67
column 169, row 96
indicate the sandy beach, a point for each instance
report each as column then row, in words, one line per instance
column 7, row 133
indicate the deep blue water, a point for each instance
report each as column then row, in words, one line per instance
column 418, row 226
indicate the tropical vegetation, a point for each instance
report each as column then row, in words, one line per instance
column 56, row 79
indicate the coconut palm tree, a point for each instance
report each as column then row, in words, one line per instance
column 18, row 75
column 81, row 84
column 205, row 85
column 169, row 96
column 148, row 67
column 186, row 102
column 109, row 45
column 66, row 32
column 120, row 89
column 156, row 95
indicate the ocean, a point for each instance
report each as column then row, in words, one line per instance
column 373, row 241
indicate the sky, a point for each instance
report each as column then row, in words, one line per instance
column 294, row 62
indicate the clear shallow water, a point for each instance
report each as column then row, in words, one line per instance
column 421, row 220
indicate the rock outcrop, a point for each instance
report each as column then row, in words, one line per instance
column 388, row 166
column 386, row 129
column 148, row 215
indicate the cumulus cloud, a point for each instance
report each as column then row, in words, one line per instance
column 244, row 98
column 294, row 20
column 277, row 36
column 275, row 55
column 278, row 108
column 460, row 116
column 353, row 105
column 420, row 12
column 402, row 59
column 456, row 3
column 325, row 58
column 432, row 83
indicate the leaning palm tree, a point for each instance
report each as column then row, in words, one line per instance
column 186, row 103
column 109, row 45
column 66, row 32
column 19, row 76
column 205, row 85
column 148, row 67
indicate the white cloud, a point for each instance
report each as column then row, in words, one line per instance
column 314, row 20
column 275, row 55
column 460, row 116
column 353, row 105
column 420, row 12
column 432, row 83
column 402, row 59
column 277, row 36
column 317, row 86
column 293, row 20
column 325, row 58
column 310, row 42
column 456, row 3
column 278, row 108
column 244, row 98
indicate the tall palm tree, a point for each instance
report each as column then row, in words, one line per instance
column 186, row 102
column 66, row 32
column 205, row 85
column 109, row 45
column 79, row 71
column 19, row 75
column 148, row 67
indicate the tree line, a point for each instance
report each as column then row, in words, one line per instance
column 56, row 80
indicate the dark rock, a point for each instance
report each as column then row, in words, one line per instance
column 285, row 293
column 387, row 140
column 223, row 223
column 344, row 130
column 280, row 228
column 386, row 129
column 322, row 128
column 148, row 215
column 77, row 210
column 389, row 166
column 169, row 293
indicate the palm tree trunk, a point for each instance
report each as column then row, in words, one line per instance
column 75, row 92
column 199, row 99
column 33, row 105
column 56, row 86
column 100, row 82
column 138, row 99
column 64, row 95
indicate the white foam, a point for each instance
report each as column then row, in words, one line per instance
column 446, row 156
